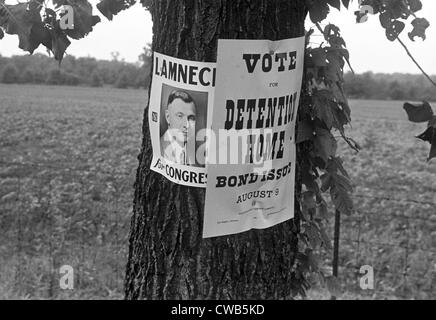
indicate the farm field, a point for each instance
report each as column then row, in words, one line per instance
column 68, row 157
column 393, row 228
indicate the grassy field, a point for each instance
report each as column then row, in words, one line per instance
column 394, row 226
column 66, row 183
column 67, row 166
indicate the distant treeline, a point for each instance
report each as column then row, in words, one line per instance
column 42, row 69
column 396, row 86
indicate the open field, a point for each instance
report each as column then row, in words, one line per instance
column 66, row 185
column 394, row 226
column 67, row 166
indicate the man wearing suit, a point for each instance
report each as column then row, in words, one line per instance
column 180, row 116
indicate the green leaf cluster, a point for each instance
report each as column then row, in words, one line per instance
column 424, row 113
column 37, row 24
column 393, row 15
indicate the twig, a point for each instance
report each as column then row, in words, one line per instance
column 337, row 227
column 416, row 63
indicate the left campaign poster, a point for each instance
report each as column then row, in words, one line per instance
column 182, row 93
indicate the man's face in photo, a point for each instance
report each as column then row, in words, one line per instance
column 180, row 116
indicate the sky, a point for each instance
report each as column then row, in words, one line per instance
column 369, row 49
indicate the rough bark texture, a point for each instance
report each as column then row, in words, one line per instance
column 168, row 259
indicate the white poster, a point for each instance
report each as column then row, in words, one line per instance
column 252, row 153
column 182, row 92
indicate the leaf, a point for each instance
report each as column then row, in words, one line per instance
column 346, row 3
column 308, row 198
column 110, row 8
column 318, row 10
column 397, row 9
column 40, row 35
column 429, row 135
column 17, row 20
column 312, row 260
column 352, row 143
column 394, row 30
column 340, row 196
column 415, row 5
column 325, row 239
column 83, row 18
column 419, row 113
column 321, row 107
column 337, row 43
column 318, row 57
column 339, row 185
column 336, row 60
column 313, row 235
column 342, row 182
column 325, row 144
column 326, row 182
column 335, row 164
column 302, row 261
column 60, row 43
column 419, row 27
column 322, row 210
column 146, row 3
column 331, row 30
column 339, row 95
column 309, row 180
column 335, row 4
column 327, row 109
column 308, row 203
column 385, row 19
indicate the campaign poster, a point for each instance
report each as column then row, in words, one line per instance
column 182, row 92
column 251, row 161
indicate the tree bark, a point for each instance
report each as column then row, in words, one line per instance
column 168, row 259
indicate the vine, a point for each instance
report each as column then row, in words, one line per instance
column 323, row 111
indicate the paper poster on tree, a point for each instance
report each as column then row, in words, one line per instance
column 181, row 95
column 251, row 157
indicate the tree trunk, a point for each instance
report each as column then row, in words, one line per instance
column 168, row 259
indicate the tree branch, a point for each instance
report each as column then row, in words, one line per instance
column 416, row 63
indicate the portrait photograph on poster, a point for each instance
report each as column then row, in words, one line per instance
column 183, row 114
